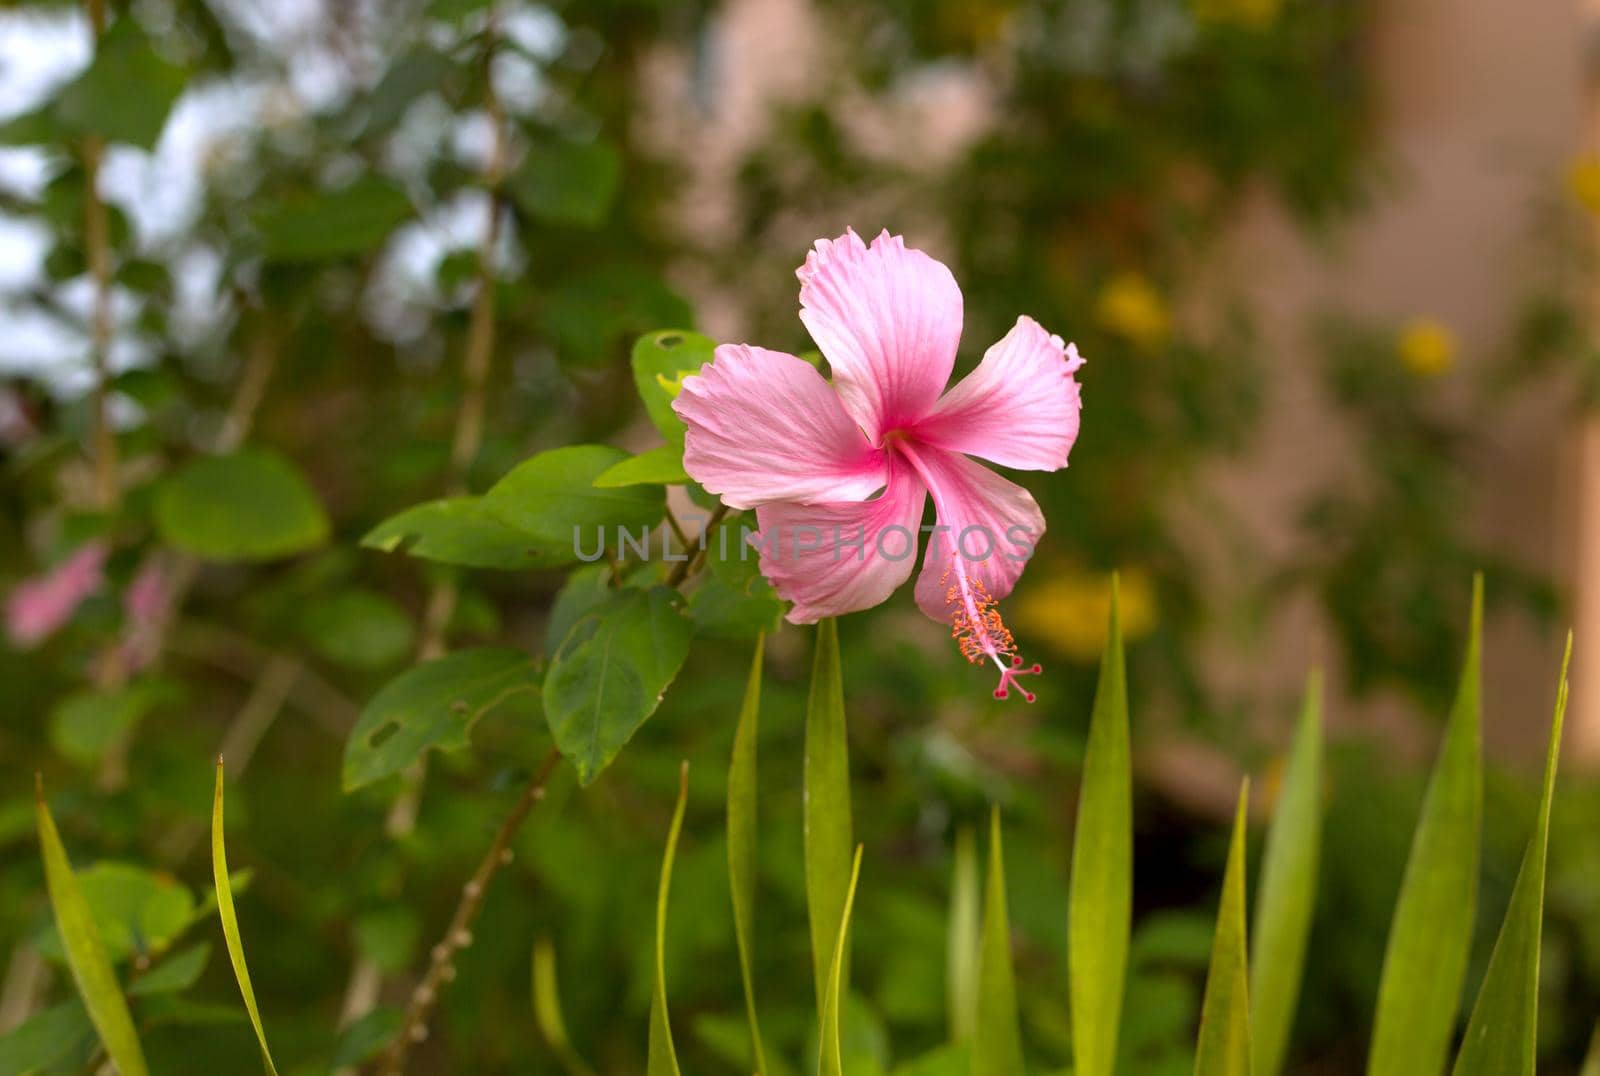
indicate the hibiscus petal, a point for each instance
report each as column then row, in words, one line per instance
column 38, row 607
column 764, row 426
column 995, row 523
column 1019, row 408
column 831, row 559
column 888, row 319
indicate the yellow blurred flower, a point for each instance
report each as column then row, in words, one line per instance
column 1132, row 308
column 1256, row 14
column 1068, row 610
column 1427, row 347
column 1583, row 182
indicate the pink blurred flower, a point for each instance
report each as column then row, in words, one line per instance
column 767, row 431
column 144, row 610
column 38, row 607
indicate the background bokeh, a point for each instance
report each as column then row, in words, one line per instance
column 1328, row 262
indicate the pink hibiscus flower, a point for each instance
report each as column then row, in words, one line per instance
column 838, row 474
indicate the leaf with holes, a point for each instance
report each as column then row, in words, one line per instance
column 610, row 673
column 661, row 360
column 434, row 705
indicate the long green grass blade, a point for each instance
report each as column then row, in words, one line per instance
column 1419, row 994
column 742, row 843
column 663, row 1059
column 230, row 922
column 86, row 953
column 1591, row 1064
column 1502, row 1032
column 828, row 840
column 1287, row 892
column 830, row 1052
column 997, row 1040
column 547, row 1010
column 1100, row 902
column 961, row 958
column 1224, row 1048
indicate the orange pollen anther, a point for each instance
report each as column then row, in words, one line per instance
column 976, row 626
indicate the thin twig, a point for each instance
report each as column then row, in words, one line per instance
column 97, row 250
column 441, row 963
column 690, row 565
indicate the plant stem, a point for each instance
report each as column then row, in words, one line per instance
column 685, row 568
column 97, row 250
column 441, row 967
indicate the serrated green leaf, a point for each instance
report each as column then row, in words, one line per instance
column 434, row 705
column 830, row 1052
column 230, row 923
column 45, row 1039
column 252, row 505
column 176, row 973
column 997, row 1036
column 125, row 93
column 961, row 955
column 463, row 531
column 742, row 846
column 567, row 183
column 86, row 953
column 547, row 1010
column 1224, row 1046
column 1503, row 1031
column 553, row 501
column 1431, row 934
column 828, row 838
column 1101, row 894
column 610, row 673
column 661, row 360
column 328, row 225
column 663, row 1059
column 659, row 466
column 1287, row 892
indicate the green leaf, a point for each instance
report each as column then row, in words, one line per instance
column 610, row 673
column 1101, row 894
column 326, row 225
column 952, row 1059
column 742, row 842
column 86, row 953
column 1502, row 1033
column 434, row 705
column 135, row 910
column 830, row 1053
column 44, row 1039
column 663, row 1059
column 997, row 1038
column 361, row 1041
column 961, row 956
column 567, row 183
column 1431, row 935
column 660, row 466
column 252, row 505
column 592, row 313
column 176, row 973
column 358, row 628
column 547, row 1009
column 585, row 590
column 661, row 360
column 125, row 93
column 553, row 501
column 1224, row 1046
column 85, row 724
column 230, row 922
column 459, row 530
column 1287, row 892
column 733, row 600
column 827, row 808
column 1591, row 1064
